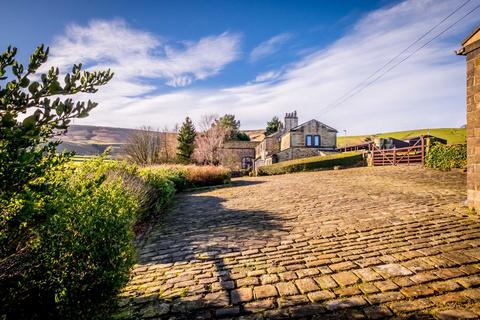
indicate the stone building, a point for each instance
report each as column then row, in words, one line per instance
column 471, row 49
column 294, row 141
column 238, row 154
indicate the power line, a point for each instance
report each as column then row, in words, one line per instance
column 351, row 94
column 399, row 54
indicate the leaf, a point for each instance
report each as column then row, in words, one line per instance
column 33, row 88
column 25, row 82
column 29, row 122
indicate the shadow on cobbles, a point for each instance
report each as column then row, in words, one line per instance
column 199, row 232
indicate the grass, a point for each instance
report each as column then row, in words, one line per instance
column 82, row 158
column 452, row 135
column 312, row 163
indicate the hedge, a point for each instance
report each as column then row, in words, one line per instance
column 81, row 256
column 186, row 177
column 446, row 157
column 312, row 163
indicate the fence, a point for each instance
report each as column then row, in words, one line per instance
column 392, row 157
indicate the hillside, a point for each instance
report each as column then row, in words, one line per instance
column 452, row 135
column 93, row 140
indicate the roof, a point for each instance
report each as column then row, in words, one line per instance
column 470, row 43
column 471, row 35
column 321, row 123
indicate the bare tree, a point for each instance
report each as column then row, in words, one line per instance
column 144, row 147
column 208, row 144
column 168, row 145
column 207, row 121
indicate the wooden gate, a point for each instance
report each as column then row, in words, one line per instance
column 396, row 156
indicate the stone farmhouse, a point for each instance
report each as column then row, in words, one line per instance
column 294, row 141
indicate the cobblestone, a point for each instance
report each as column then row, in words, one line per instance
column 346, row 244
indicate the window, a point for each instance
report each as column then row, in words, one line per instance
column 247, row 162
column 308, row 141
column 316, row 141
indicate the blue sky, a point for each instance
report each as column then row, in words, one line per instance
column 255, row 59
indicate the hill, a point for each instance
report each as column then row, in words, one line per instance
column 93, row 140
column 452, row 135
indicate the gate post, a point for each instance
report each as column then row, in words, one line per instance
column 471, row 49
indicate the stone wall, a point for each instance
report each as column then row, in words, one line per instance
column 285, row 142
column 297, row 153
column 234, row 151
column 473, row 124
column 297, row 137
column 267, row 147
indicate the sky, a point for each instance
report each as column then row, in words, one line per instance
column 257, row 59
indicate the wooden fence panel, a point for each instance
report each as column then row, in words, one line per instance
column 392, row 157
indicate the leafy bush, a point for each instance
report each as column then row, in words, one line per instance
column 311, row 163
column 447, row 157
column 163, row 184
column 82, row 253
column 27, row 152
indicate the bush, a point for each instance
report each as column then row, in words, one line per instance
column 163, row 185
column 312, row 163
column 82, row 254
column 184, row 177
column 447, row 157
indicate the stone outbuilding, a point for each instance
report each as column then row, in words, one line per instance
column 471, row 49
column 294, row 141
column 238, row 155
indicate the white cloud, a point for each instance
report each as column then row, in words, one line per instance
column 427, row 90
column 135, row 54
column 269, row 47
column 268, row 76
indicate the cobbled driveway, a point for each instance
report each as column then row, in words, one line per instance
column 356, row 243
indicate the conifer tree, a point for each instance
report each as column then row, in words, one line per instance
column 273, row 126
column 186, row 141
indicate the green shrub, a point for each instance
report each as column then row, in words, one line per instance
column 447, row 157
column 312, row 163
column 82, row 254
column 163, row 185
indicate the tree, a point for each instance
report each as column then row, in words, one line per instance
column 208, row 144
column 186, row 141
column 273, row 126
column 27, row 152
column 33, row 110
column 143, row 147
column 229, row 123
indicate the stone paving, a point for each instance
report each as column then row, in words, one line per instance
column 363, row 243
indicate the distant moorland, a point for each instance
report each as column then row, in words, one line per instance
column 92, row 140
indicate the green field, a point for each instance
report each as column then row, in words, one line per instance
column 452, row 135
column 80, row 158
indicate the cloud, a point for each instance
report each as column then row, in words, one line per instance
column 269, row 47
column 426, row 91
column 268, row 76
column 135, row 54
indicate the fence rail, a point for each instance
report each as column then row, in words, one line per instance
column 392, row 157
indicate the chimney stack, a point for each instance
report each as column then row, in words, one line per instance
column 291, row 120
